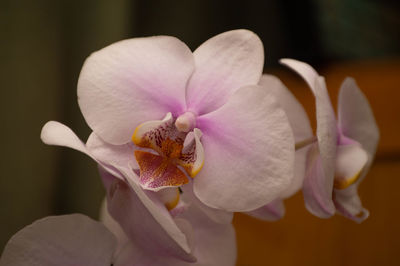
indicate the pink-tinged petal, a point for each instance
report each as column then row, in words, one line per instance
column 350, row 162
column 249, row 152
column 321, row 169
column 155, row 230
column 134, row 254
column 61, row 240
column 121, row 156
column 356, row 119
column 55, row 133
column 299, row 123
column 114, row 228
column 326, row 121
column 216, row 215
column 206, row 237
column 326, row 129
column 273, row 211
column 214, row 243
column 295, row 112
column 317, row 189
column 304, row 70
column 300, row 167
column 133, row 81
column 348, row 204
column 224, row 63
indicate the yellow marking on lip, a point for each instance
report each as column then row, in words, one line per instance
column 342, row 183
column 135, row 139
column 174, row 202
column 189, row 169
column 149, row 167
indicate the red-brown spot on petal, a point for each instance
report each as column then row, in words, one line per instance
column 158, row 171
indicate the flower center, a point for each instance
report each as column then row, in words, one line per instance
column 174, row 146
column 186, row 122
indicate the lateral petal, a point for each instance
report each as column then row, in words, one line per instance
column 299, row 123
column 249, row 152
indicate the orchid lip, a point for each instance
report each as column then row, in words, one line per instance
column 174, row 147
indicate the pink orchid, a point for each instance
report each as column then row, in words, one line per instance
column 301, row 128
column 218, row 124
column 344, row 151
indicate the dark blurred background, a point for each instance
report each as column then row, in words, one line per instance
column 44, row 43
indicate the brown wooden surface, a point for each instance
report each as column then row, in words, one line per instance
column 302, row 239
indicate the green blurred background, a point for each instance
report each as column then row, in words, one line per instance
column 44, row 43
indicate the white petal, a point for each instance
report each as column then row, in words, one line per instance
column 271, row 212
column 218, row 216
column 356, row 120
column 55, row 133
column 224, row 63
column 249, row 152
column 304, row 70
column 295, row 112
column 348, row 204
column 133, row 81
column 60, row 240
column 327, row 138
column 155, row 230
column 299, row 123
column 317, row 189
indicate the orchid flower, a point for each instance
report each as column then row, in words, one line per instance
column 175, row 115
column 302, row 131
column 344, row 149
column 78, row 240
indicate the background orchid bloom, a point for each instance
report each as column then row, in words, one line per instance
column 193, row 114
column 61, row 240
column 141, row 242
column 302, row 131
column 345, row 149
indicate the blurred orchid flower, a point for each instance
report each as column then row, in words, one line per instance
column 61, row 240
column 218, row 124
column 301, row 128
column 136, row 239
column 142, row 241
column 344, row 150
